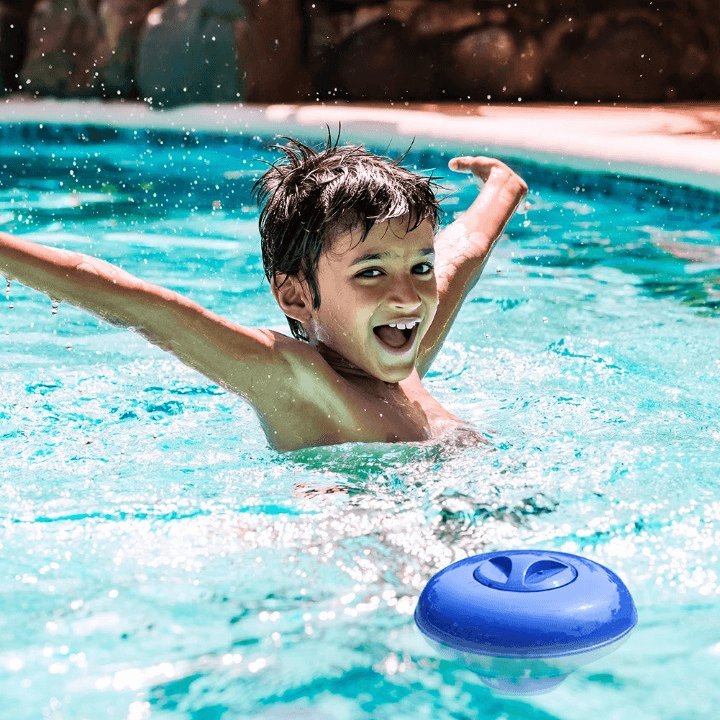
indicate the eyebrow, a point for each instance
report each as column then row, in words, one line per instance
column 425, row 252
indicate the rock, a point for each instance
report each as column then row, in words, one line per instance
column 495, row 62
column 74, row 51
column 403, row 10
column 690, row 57
column 13, row 39
column 627, row 61
column 333, row 28
column 530, row 69
column 378, row 63
column 271, row 51
column 326, row 29
column 121, row 22
column 432, row 19
column 62, row 35
column 365, row 15
column 693, row 61
column 187, row 53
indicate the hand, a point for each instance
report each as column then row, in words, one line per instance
column 490, row 169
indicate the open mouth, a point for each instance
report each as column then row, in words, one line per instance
column 397, row 337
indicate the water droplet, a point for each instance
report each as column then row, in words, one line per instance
column 523, row 212
column 54, row 307
column 7, row 290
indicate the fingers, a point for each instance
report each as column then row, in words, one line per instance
column 467, row 163
column 478, row 165
column 488, row 171
column 461, row 164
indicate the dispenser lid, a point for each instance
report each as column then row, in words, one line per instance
column 525, row 603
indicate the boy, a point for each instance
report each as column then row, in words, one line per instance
column 369, row 292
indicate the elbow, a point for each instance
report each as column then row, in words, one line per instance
column 95, row 271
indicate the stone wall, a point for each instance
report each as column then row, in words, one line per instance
column 176, row 51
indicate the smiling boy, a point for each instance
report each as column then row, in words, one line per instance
column 370, row 292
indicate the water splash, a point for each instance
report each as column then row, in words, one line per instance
column 523, row 212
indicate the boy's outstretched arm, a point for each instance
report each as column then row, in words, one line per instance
column 257, row 364
column 462, row 248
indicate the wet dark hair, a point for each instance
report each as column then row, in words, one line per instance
column 310, row 193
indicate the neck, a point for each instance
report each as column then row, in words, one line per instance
column 349, row 370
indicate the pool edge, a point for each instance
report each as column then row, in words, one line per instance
column 639, row 142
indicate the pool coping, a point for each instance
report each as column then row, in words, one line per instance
column 672, row 143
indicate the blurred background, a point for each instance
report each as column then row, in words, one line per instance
column 267, row 51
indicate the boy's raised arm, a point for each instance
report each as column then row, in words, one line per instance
column 238, row 358
column 462, row 248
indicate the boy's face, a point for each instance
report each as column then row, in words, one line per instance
column 366, row 286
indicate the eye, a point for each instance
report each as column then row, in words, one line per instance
column 423, row 269
column 371, row 273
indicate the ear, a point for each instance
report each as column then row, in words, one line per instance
column 293, row 296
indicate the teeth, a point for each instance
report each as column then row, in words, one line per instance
column 404, row 326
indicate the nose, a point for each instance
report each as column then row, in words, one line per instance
column 403, row 294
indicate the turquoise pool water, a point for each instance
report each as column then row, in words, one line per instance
column 159, row 561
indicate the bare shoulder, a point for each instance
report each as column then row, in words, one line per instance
column 300, row 399
column 260, row 364
column 304, row 374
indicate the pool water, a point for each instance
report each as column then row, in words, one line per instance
column 160, row 561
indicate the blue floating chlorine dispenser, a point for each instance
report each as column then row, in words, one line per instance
column 525, row 619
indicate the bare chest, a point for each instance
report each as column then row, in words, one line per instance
column 404, row 413
column 409, row 416
column 329, row 406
